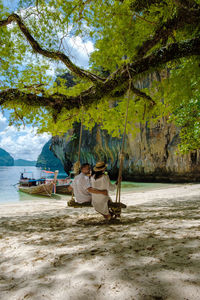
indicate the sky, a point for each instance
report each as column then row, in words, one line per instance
column 25, row 143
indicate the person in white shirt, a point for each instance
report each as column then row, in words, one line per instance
column 101, row 181
column 82, row 187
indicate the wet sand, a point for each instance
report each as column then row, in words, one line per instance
column 51, row 251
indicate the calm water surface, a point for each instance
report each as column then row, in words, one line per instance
column 9, row 177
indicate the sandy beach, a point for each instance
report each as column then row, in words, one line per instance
column 51, row 251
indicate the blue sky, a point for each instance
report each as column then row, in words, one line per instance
column 11, row 4
column 26, row 144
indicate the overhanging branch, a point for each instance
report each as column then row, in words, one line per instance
column 141, row 94
column 188, row 4
column 114, row 81
column 166, row 29
column 50, row 54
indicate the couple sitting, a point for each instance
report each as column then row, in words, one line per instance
column 94, row 188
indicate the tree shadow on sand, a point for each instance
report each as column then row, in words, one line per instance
column 151, row 253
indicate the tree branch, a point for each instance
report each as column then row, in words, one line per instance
column 182, row 18
column 50, row 54
column 142, row 5
column 16, row 95
column 188, row 4
column 115, row 80
column 141, row 94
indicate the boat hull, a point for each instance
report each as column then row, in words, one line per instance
column 63, row 189
column 42, row 189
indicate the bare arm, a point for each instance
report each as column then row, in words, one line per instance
column 70, row 188
column 96, row 191
column 91, row 190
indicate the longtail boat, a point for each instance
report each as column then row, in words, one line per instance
column 37, row 186
column 63, row 188
column 62, row 185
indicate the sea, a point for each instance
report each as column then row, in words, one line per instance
column 9, row 178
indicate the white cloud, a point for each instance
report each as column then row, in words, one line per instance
column 85, row 48
column 79, row 50
column 24, row 144
column 3, row 122
column 2, row 118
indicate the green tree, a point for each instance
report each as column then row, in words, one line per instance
column 134, row 40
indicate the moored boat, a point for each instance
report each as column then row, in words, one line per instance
column 37, row 186
column 62, row 185
column 44, row 189
column 63, row 189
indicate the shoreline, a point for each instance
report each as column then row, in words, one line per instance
column 51, row 251
column 127, row 188
column 126, row 196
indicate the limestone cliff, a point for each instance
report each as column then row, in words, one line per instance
column 5, row 158
column 47, row 159
column 150, row 156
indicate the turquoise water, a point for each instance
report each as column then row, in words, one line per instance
column 9, row 177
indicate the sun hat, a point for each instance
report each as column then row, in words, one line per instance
column 100, row 166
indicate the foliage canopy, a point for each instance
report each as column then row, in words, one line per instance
column 156, row 43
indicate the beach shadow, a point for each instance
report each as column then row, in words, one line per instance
column 152, row 249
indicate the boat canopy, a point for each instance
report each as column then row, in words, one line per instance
column 36, row 180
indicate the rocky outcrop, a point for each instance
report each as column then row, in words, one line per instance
column 47, row 159
column 5, row 158
column 150, row 156
column 96, row 145
column 153, row 156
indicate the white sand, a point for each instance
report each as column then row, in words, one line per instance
column 50, row 251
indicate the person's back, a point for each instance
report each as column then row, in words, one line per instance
column 80, row 186
column 102, row 182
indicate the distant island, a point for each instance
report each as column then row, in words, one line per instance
column 5, row 158
column 24, row 162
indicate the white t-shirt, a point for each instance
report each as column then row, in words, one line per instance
column 80, row 185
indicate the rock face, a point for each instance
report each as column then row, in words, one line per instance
column 96, row 145
column 47, row 159
column 5, row 158
column 150, row 156
column 153, row 156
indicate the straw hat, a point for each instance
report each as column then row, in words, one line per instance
column 100, row 166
